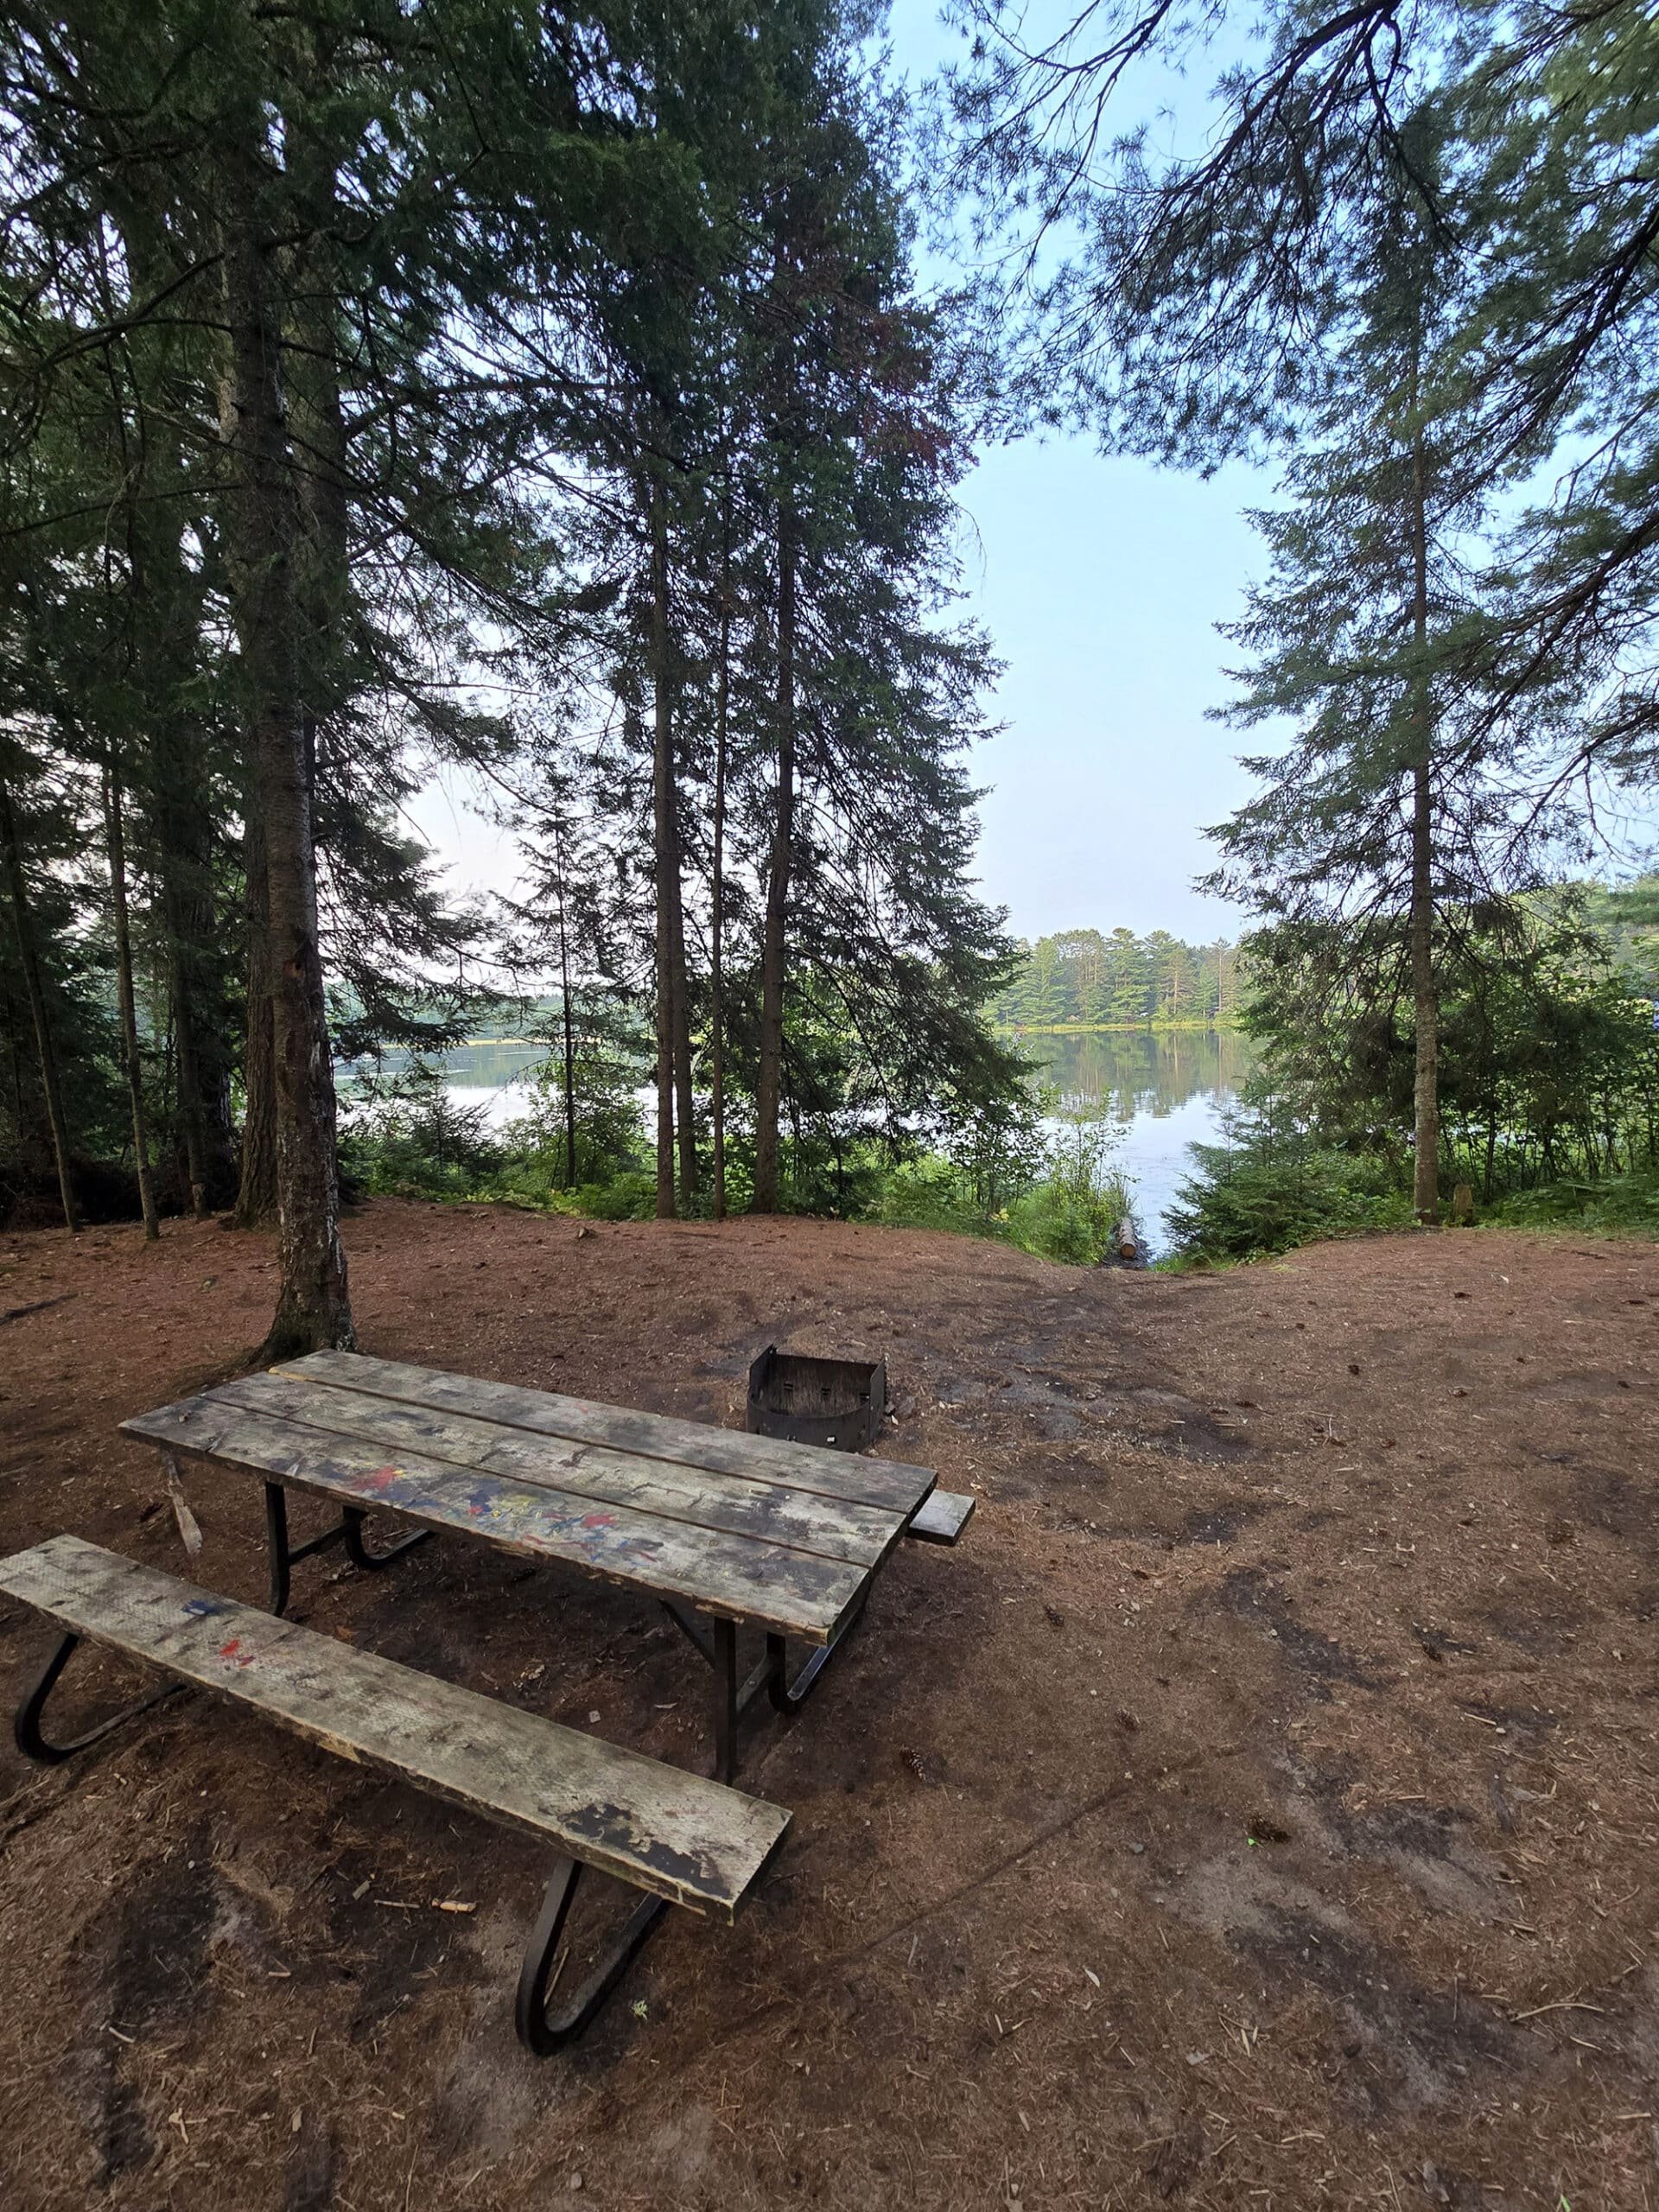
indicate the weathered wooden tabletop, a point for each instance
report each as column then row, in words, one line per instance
column 746, row 1528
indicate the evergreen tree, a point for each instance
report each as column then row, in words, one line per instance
column 1383, row 814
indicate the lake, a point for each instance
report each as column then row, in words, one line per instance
column 1161, row 1091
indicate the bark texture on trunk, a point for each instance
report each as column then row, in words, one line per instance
column 663, row 845
column 193, row 1122
column 567, row 1017
column 1426, row 1104
column 256, row 1189
column 684, row 1105
column 28, row 956
column 313, row 1307
column 126, row 1004
column 717, row 914
column 169, row 604
column 769, row 1081
column 1426, row 1097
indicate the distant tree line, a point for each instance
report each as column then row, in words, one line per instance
column 1079, row 977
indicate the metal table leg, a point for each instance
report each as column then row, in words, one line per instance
column 348, row 1530
column 537, row 2030
column 26, row 1726
column 786, row 1696
column 717, row 1645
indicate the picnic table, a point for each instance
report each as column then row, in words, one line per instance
column 723, row 1528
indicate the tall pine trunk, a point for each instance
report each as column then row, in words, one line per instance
column 256, row 1189
column 717, row 903
column 192, row 1117
column 169, row 608
column 568, row 1019
column 28, row 956
column 184, row 867
column 663, row 848
column 1426, row 1103
column 684, row 1108
column 769, row 1081
column 314, row 1306
column 676, row 1114
column 126, row 1005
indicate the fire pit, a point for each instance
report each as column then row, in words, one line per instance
column 838, row 1402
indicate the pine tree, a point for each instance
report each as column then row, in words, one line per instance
column 1382, row 819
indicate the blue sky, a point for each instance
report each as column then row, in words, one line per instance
column 1101, row 582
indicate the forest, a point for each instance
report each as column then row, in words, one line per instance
column 1079, row 979
column 548, row 395
column 563, row 396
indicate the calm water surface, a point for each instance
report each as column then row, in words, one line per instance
column 1158, row 1093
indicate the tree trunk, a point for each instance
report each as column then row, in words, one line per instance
column 568, row 1019
column 29, row 958
column 256, row 1189
column 133, row 1067
column 667, row 868
column 769, row 1083
column 717, row 905
column 685, row 1116
column 314, row 1306
column 168, row 602
column 191, row 1116
column 1425, row 1176
column 184, row 848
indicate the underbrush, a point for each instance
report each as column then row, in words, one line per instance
column 1064, row 1205
column 1265, row 1191
column 423, row 1145
column 1057, row 1196
column 1626, row 1204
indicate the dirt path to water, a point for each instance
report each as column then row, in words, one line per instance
column 1256, row 1809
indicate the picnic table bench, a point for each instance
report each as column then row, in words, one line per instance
column 723, row 1528
column 681, row 1838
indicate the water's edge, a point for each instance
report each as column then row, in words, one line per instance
column 1160, row 1089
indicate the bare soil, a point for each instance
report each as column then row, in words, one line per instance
column 1256, row 1809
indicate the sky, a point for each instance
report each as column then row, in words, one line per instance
column 1101, row 582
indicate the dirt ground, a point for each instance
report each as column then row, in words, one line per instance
column 1256, row 1809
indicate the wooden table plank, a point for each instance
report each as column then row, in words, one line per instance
column 738, row 1505
column 739, row 1577
column 806, row 1468
column 943, row 1519
column 681, row 1836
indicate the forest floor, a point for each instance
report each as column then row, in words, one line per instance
column 1257, row 1809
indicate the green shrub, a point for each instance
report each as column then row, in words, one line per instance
column 422, row 1145
column 1629, row 1202
column 1065, row 1205
column 931, row 1193
column 1073, row 1210
column 1264, row 1193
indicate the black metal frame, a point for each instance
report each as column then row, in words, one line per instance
column 26, row 1722
column 539, row 2032
column 348, row 1530
column 717, row 1645
column 773, row 1377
